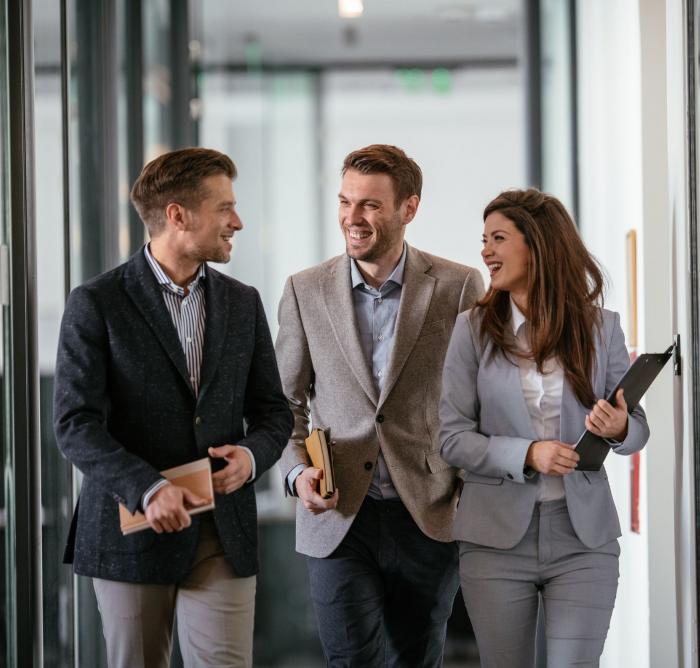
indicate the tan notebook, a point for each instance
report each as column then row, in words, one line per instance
column 196, row 476
column 318, row 447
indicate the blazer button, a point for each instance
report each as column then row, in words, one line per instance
column 380, row 418
column 509, row 476
column 368, row 466
column 198, row 420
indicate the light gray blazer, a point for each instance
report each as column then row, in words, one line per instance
column 328, row 381
column 486, row 430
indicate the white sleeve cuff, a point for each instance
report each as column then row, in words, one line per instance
column 253, row 469
column 291, row 478
column 148, row 494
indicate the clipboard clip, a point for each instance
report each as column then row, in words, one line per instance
column 676, row 349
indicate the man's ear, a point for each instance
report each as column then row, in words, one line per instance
column 410, row 207
column 175, row 216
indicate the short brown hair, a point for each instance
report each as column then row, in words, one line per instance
column 565, row 289
column 176, row 176
column 405, row 174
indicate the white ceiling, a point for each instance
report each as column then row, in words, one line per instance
column 289, row 32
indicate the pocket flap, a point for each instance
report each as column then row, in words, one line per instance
column 481, row 479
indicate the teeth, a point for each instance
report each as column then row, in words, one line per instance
column 359, row 235
column 493, row 268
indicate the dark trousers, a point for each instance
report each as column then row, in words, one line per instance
column 384, row 596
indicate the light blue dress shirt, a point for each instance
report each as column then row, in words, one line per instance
column 375, row 312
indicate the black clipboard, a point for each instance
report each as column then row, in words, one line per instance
column 593, row 449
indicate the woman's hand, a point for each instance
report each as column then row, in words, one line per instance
column 609, row 421
column 551, row 457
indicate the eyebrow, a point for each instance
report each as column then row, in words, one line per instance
column 497, row 232
column 362, row 201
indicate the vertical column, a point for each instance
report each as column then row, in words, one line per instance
column 24, row 399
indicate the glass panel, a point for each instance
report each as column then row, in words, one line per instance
column 7, row 551
column 557, row 98
column 56, row 487
column 7, row 546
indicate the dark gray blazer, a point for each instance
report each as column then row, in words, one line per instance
column 486, row 430
column 124, row 409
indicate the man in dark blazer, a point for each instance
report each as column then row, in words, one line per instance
column 163, row 361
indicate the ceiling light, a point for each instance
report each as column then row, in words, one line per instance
column 350, row 9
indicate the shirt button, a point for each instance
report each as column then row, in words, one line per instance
column 189, row 339
column 380, row 337
column 198, row 420
column 192, row 379
column 380, row 373
column 509, row 476
column 379, row 300
column 380, row 418
column 368, row 466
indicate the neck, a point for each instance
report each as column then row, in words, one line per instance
column 180, row 270
column 376, row 272
column 520, row 299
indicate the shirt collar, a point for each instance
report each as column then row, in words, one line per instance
column 163, row 279
column 517, row 318
column 395, row 277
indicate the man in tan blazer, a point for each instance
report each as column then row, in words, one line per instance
column 360, row 348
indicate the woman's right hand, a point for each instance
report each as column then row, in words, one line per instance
column 551, row 457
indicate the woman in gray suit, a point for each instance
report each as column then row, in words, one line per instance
column 524, row 374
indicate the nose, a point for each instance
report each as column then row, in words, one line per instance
column 236, row 222
column 354, row 213
column 486, row 250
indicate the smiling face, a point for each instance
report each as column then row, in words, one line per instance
column 209, row 229
column 506, row 255
column 371, row 223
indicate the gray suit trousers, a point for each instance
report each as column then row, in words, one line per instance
column 578, row 585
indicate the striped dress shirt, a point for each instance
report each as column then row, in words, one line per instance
column 188, row 313
column 187, row 310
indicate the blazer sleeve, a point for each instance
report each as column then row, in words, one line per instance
column 462, row 445
column 618, row 363
column 296, row 369
column 268, row 419
column 81, row 405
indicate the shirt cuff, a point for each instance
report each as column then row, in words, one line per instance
column 291, row 478
column 253, row 468
column 148, row 494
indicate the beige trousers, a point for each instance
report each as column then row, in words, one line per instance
column 214, row 611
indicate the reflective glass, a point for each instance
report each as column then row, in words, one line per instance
column 7, row 547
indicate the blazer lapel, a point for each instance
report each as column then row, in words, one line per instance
column 337, row 296
column 143, row 289
column 217, row 309
column 416, row 293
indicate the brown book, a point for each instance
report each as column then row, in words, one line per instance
column 195, row 476
column 318, row 447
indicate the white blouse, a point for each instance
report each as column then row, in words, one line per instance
column 542, row 392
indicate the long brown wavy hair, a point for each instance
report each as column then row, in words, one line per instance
column 564, row 288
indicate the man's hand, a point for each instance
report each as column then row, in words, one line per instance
column 306, row 484
column 166, row 509
column 237, row 471
column 552, row 457
column 609, row 421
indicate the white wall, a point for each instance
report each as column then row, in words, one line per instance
column 684, row 465
column 610, row 205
